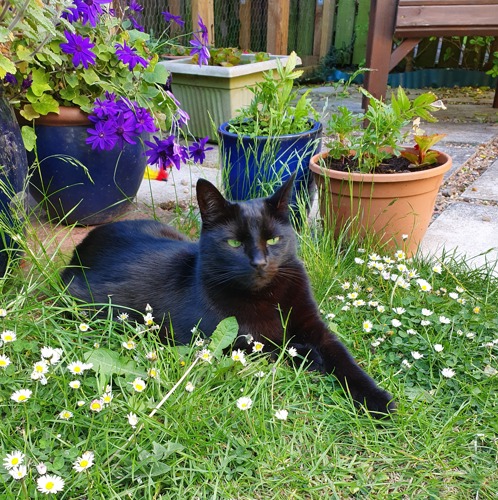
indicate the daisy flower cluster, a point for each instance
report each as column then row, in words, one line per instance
column 411, row 318
column 19, row 467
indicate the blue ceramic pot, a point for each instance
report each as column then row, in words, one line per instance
column 77, row 184
column 253, row 167
column 13, row 172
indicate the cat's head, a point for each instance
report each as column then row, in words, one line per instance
column 245, row 245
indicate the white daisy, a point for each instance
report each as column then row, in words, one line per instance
column 50, row 483
column 65, row 415
column 78, row 367
column 447, row 372
column 189, row 387
column 84, row 462
column 18, row 472
column 8, row 336
column 292, row 352
column 239, row 356
column 13, row 459
column 139, row 385
column 21, row 396
column 244, row 403
column 205, row 355
column 132, row 419
column 4, row 361
column 416, row 355
column 281, row 414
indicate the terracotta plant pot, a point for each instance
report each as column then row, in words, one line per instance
column 397, row 208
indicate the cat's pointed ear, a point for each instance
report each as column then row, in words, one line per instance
column 212, row 204
column 281, row 198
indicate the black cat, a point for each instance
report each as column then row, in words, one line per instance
column 243, row 265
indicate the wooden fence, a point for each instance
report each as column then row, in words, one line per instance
column 315, row 29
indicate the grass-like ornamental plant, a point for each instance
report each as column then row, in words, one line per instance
column 89, row 55
column 276, row 107
column 367, row 141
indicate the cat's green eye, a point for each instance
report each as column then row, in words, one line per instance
column 273, row 241
column 234, row 243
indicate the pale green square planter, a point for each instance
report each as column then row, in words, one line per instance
column 214, row 92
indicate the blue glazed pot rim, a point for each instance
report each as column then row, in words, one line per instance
column 317, row 128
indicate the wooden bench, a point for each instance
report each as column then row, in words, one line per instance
column 412, row 20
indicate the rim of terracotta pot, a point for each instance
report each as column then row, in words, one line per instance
column 444, row 164
column 67, row 115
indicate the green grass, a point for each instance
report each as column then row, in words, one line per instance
column 442, row 443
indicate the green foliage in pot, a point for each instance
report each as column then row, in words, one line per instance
column 383, row 131
column 231, row 56
column 276, row 108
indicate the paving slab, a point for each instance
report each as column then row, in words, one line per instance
column 464, row 230
column 485, row 187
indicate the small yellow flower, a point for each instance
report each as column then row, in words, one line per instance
column 476, row 310
column 153, row 373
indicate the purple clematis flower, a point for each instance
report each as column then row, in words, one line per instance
column 128, row 55
column 198, row 150
column 204, row 31
column 144, row 122
column 124, row 128
column 80, row 47
column 102, row 136
column 165, row 152
column 10, row 79
column 90, row 10
column 201, row 50
column 135, row 6
column 201, row 45
column 136, row 25
column 168, row 17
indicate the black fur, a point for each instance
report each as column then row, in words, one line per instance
column 188, row 283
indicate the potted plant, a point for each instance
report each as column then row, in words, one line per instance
column 100, row 107
column 212, row 83
column 271, row 138
column 370, row 181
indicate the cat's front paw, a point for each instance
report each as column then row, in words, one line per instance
column 378, row 402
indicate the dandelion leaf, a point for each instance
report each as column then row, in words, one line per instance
column 107, row 362
column 224, row 335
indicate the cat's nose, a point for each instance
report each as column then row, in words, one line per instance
column 258, row 260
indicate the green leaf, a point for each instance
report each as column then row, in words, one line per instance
column 107, row 362
column 40, row 82
column 28, row 137
column 162, row 451
column 224, row 335
column 6, row 66
column 45, row 104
